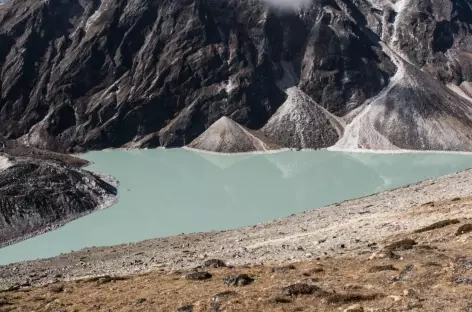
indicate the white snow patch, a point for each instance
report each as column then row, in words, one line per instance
column 5, row 163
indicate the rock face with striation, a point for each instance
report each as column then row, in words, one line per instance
column 227, row 136
column 78, row 75
column 38, row 193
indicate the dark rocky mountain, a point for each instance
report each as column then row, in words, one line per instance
column 90, row 74
column 42, row 190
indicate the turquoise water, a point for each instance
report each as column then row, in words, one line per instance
column 168, row 192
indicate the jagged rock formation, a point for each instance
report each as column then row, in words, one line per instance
column 300, row 122
column 38, row 193
column 227, row 136
column 144, row 73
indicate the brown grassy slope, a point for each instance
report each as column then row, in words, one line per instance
column 435, row 274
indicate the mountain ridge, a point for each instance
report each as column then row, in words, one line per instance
column 78, row 76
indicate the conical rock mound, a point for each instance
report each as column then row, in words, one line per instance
column 302, row 123
column 415, row 112
column 227, row 136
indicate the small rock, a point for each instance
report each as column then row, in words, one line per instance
column 3, row 301
column 140, row 301
column 283, row 269
column 463, row 281
column 354, row 308
column 185, row 308
column 214, row 263
column 222, row 296
column 198, row 276
column 409, row 292
column 463, row 229
column 238, row 280
column 104, row 279
column 380, row 268
column 302, row 289
column 279, row 300
column 403, row 244
column 56, row 288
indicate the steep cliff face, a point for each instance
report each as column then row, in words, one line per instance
column 80, row 75
column 41, row 191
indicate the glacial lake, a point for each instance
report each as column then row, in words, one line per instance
column 168, row 192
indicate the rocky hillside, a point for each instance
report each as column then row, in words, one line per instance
column 78, row 75
column 40, row 191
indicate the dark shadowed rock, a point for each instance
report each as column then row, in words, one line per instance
column 279, row 299
column 186, row 308
column 462, row 281
column 223, row 296
column 463, row 229
column 238, row 280
column 198, row 276
column 56, row 288
column 303, row 289
column 283, row 269
column 3, row 301
column 381, row 268
column 140, row 301
column 403, row 244
column 38, row 193
column 214, row 263
column 438, row 225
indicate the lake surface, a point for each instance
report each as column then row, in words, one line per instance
column 167, row 192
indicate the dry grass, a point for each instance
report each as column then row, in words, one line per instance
column 432, row 272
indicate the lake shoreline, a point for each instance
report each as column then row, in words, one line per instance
column 333, row 231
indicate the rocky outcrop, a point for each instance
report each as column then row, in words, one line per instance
column 227, row 136
column 144, row 73
column 38, row 194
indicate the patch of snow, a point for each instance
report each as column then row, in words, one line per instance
column 5, row 163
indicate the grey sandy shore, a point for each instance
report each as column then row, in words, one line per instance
column 337, row 230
